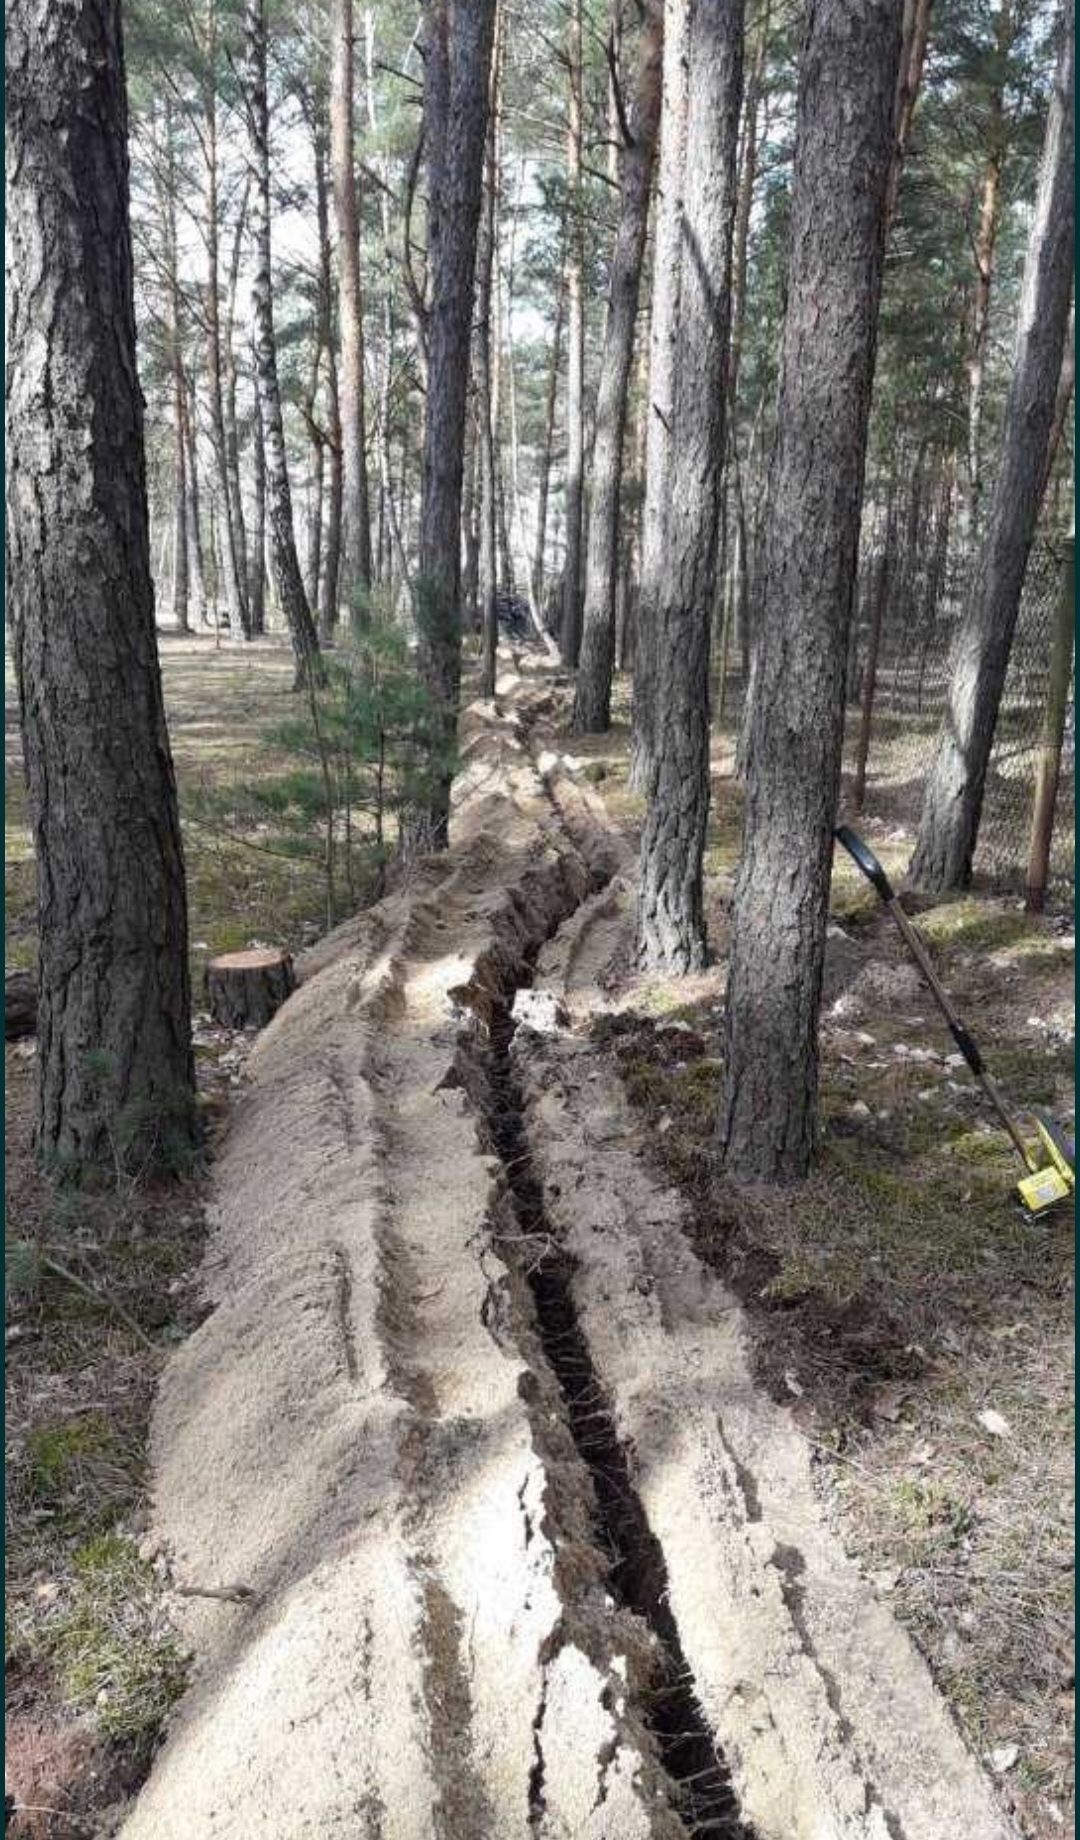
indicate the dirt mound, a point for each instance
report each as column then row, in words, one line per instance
column 494, row 1535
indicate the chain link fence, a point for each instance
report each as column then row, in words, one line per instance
column 895, row 741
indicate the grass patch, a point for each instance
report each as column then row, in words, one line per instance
column 115, row 1656
column 973, row 925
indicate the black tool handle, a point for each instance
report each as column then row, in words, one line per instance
column 967, row 1047
column 863, row 857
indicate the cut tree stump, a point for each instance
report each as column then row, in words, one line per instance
column 20, row 1004
column 244, row 989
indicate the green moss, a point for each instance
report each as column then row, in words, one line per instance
column 982, row 1150
column 921, row 1507
column 115, row 1658
column 975, row 925
column 56, row 1453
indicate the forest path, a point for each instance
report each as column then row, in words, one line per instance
column 522, row 1549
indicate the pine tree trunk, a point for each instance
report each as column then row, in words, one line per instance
column 670, row 922
column 1048, row 768
column 916, row 32
column 952, row 803
column 485, row 396
column 232, row 438
column 386, row 470
column 868, row 688
column 592, row 704
column 570, row 635
column 356, row 511
column 985, row 246
column 843, row 148
column 331, row 561
column 257, row 555
column 663, row 334
column 234, row 587
column 286, row 566
column 471, row 491
column 194, row 523
column 748, row 153
column 114, row 1038
column 315, row 517
column 542, row 635
column 543, row 486
column 456, row 80
column 176, row 367
column 628, row 629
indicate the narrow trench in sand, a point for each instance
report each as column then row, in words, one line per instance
column 637, row 1575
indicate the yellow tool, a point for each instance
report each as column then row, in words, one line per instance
column 1045, row 1183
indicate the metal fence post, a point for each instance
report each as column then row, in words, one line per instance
column 1048, row 769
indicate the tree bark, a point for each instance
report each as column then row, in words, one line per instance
column 570, row 635
column 952, row 803
column 314, row 489
column 456, row 82
column 244, row 990
column 748, row 155
column 592, row 703
column 176, row 368
column 486, row 384
column 663, row 336
column 542, row 636
column 843, row 148
column 1048, row 771
column 916, row 32
column 879, row 599
column 232, row 436
column 194, row 524
column 257, row 553
column 286, row 565
column 331, row 437
column 114, row 1038
column 234, row 587
column 670, row 922
column 544, row 483
column 386, row 471
column 355, row 506
column 985, row 245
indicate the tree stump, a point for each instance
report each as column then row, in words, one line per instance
column 244, row 989
column 20, row 1004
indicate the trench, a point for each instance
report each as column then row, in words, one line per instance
column 636, row 1574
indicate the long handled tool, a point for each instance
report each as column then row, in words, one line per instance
column 1045, row 1183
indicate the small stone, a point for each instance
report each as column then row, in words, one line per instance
column 994, row 1423
column 1003, row 1758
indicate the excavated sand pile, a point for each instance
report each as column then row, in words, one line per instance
column 507, row 1538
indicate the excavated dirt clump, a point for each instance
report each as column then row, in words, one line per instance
column 366, row 1436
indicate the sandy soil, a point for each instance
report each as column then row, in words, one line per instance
column 497, row 1535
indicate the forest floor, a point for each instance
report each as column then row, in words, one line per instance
column 915, row 1332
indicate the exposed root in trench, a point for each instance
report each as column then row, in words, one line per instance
column 636, row 1577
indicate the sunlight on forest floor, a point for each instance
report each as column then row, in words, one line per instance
column 220, row 702
column 895, row 1298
